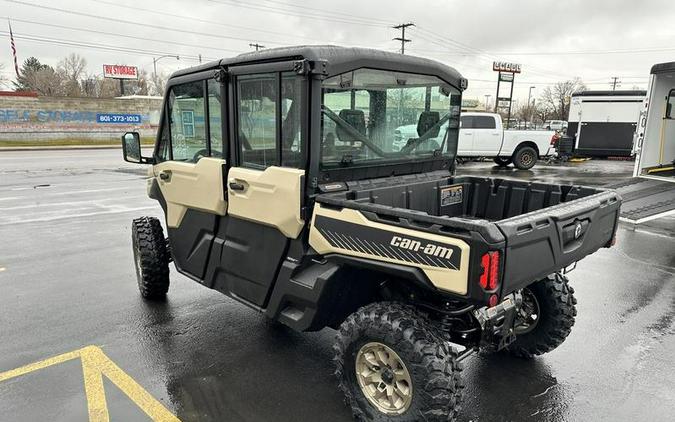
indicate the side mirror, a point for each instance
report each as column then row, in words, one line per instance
column 131, row 149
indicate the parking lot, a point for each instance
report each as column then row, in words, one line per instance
column 67, row 282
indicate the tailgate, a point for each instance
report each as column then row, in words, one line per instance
column 545, row 241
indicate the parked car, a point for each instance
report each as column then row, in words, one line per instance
column 483, row 135
column 559, row 125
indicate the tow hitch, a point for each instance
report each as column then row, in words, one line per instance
column 497, row 322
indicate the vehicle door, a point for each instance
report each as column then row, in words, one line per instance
column 465, row 141
column 265, row 185
column 487, row 138
column 189, row 166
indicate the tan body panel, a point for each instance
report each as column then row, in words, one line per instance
column 455, row 281
column 191, row 185
column 271, row 197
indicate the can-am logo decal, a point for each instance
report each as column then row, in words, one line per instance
column 417, row 246
column 363, row 239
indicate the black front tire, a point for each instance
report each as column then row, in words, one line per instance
column 435, row 372
column 525, row 158
column 151, row 257
column 502, row 161
column 555, row 303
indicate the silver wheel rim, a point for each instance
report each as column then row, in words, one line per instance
column 526, row 159
column 384, row 378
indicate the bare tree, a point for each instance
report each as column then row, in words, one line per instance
column 71, row 68
column 556, row 99
column 157, row 84
column 47, row 82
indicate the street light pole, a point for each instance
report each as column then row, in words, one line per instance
column 529, row 104
column 156, row 59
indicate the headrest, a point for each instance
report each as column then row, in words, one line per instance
column 428, row 119
column 356, row 119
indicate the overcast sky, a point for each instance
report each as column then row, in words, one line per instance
column 554, row 40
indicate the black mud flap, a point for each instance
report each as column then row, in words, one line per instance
column 645, row 199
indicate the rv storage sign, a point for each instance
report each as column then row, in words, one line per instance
column 117, row 71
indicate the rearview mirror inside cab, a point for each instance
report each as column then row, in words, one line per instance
column 131, row 148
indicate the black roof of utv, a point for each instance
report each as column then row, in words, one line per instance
column 340, row 60
column 663, row 67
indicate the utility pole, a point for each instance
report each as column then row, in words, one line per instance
column 402, row 38
column 200, row 58
column 615, row 82
column 529, row 104
column 256, row 46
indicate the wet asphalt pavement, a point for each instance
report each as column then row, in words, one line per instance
column 67, row 281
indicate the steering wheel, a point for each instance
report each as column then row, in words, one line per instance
column 199, row 154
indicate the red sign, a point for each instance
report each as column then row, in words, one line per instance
column 118, row 71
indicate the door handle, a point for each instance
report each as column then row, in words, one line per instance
column 237, row 186
column 165, row 175
column 468, row 133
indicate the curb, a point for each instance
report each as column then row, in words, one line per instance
column 63, row 147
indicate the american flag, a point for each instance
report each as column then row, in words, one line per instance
column 11, row 39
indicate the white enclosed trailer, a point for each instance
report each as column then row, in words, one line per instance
column 603, row 123
column 650, row 194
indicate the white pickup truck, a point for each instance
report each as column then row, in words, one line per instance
column 482, row 135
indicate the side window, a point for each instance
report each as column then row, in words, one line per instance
column 291, row 123
column 484, row 122
column 257, row 120
column 670, row 107
column 188, row 129
column 215, row 121
column 466, row 122
column 162, row 151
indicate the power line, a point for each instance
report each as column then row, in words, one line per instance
column 137, row 24
column 331, row 18
column 402, row 38
column 96, row 46
column 93, row 31
column 210, row 22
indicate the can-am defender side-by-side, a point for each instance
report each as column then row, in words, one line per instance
column 282, row 189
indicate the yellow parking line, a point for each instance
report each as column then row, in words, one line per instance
column 96, row 365
column 39, row 365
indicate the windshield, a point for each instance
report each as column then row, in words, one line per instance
column 373, row 117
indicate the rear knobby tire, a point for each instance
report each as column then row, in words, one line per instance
column 556, row 303
column 525, row 158
column 502, row 161
column 151, row 257
column 430, row 362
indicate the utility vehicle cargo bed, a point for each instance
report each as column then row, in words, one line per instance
column 540, row 228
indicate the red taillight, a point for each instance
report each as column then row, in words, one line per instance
column 554, row 139
column 485, row 263
column 493, row 279
column 489, row 279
